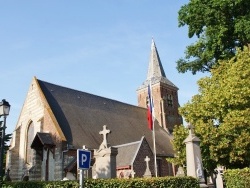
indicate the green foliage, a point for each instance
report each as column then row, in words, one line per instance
column 163, row 182
column 220, row 113
column 41, row 184
column 220, row 27
column 7, row 138
column 237, row 178
column 180, row 133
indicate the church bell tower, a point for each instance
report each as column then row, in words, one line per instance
column 164, row 93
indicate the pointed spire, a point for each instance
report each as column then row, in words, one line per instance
column 155, row 68
column 156, row 72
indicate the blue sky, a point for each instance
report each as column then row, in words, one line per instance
column 100, row 47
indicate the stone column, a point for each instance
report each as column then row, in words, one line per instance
column 193, row 155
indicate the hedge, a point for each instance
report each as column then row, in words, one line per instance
column 162, row 182
column 237, row 178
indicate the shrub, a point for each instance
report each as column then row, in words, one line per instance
column 237, row 178
column 161, row 182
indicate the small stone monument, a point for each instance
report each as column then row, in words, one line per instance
column 132, row 173
column 193, row 154
column 105, row 158
column 7, row 175
column 219, row 177
column 147, row 173
column 180, row 172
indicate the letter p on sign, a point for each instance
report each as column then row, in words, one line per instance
column 83, row 159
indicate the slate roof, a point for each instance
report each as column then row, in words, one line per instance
column 82, row 115
column 42, row 139
column 127, row 153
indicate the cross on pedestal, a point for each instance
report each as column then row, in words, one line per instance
column 84, row 147
column 104, row 132
column 147, row 172
column 147, row 159
column 191, row 129
column 132, row 173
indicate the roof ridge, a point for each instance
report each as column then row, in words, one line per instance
column 90, row 94
column 128, row 144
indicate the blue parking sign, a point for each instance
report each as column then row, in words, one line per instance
column 83, row 159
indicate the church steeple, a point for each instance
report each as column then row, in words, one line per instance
column 156, row 72
column 155, row 68
column 164, row 93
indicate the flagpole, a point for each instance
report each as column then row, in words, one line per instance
column 156, row 175
column 153, row 132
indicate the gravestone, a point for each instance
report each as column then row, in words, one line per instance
column 180, row 172
column 147, row 173
column 7, row 175
column 105, row 158
column 219, row 177
column 132, row 173
column 193, row 155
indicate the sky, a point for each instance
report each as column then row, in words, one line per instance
column 99, row 47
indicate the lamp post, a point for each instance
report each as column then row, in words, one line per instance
column 4, row 111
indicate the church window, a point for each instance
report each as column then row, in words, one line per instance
column 169, row 100
column 147, row 101
column 30, row 137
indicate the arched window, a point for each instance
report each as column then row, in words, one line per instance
column 30, row 137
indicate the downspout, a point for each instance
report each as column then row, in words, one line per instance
column 63, row 153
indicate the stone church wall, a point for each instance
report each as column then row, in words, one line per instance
column 34, row 110
column 56, row 163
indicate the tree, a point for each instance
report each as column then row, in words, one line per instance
column 7, row 138
column 180, row 133
column 220, row 114
column 220, row 27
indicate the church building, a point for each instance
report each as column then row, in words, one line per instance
column 55, row 121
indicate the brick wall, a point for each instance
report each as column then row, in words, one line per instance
column 139, row 165
column 166, row 104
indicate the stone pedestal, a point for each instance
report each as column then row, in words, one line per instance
column 194, row 160
column 105, row 162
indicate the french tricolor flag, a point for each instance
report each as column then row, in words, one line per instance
column 150, row 109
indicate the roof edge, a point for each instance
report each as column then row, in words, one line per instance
column 48, row 108
column 133, row 160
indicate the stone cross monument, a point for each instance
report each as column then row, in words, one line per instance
column 147, row 173
column 193, row 154
column 132, row 173
column 105, row 133
column 105, row 158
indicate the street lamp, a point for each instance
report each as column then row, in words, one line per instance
column 4, row 111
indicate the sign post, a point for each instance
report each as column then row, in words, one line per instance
column 83, row 162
